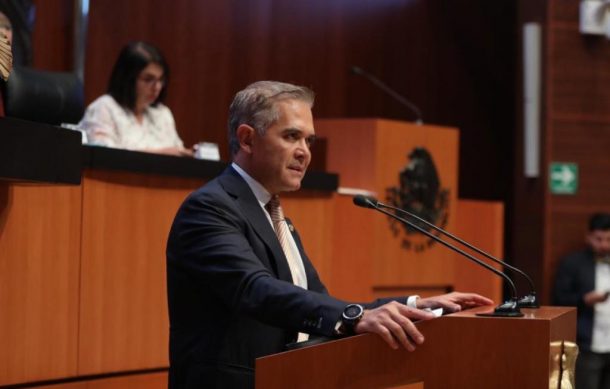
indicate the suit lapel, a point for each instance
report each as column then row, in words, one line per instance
column 235, row 185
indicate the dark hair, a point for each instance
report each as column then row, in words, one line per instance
column 133, row 58
column 256, row 106
column 599, row 221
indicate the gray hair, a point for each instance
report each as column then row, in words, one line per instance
column 256, row 106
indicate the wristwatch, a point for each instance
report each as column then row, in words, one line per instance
column 350, row 317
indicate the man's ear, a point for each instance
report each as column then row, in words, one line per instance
column 245, row 136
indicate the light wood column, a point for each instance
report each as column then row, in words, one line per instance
column 123, row 310
column 39, row 265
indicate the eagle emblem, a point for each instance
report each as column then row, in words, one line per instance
column 419, row 191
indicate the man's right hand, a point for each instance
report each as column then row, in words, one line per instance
column 595, row 297
column 393, row 323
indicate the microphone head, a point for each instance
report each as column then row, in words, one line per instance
column 365, row 201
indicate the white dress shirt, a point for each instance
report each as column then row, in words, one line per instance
column 600, row 340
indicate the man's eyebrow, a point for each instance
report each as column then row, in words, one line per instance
column 292, row 129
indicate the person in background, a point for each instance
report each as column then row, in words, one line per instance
column 131, row 114
column 6, row 28
column 6, row 55
column 583, row 281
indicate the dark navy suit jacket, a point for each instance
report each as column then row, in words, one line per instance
column 576, row 277
column 230, row 292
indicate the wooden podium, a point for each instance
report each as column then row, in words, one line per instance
column 461, row 350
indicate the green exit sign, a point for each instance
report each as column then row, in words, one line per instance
column 563, row 178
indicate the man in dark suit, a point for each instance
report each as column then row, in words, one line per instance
column 583, row 281
column 240, row 285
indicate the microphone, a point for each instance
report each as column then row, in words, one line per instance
column 507, row 309
column 395, row 95
column 528, row 301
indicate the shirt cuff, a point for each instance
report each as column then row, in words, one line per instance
column 338, row 328
column 412, row 301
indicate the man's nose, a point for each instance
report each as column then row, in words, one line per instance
column 303, row 151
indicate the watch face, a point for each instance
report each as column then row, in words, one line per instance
column 352, row 311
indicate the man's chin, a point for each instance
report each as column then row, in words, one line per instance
column 292, row 186
column 295, row 187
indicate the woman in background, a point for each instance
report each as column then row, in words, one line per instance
column 131, row 114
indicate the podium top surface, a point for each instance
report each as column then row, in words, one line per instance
column 543, row 313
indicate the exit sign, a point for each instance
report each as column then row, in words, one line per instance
column 563, row 178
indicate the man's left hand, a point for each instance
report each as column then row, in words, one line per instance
column 453, row 302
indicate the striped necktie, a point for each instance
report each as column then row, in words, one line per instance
column 295, row 263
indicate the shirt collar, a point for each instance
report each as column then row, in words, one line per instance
column 261, row 194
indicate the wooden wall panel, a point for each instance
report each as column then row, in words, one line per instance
column 123, row 308
column 578, row 129
column 354, row 256
column 482, row 225
column 575, row 128
column 52, row 37
column 568, row 236
column 39, row 264
column 578, row 75
column 564, row 11
column 586, row 143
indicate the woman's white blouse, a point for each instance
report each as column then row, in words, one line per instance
column 108, row 124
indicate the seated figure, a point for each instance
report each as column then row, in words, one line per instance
column 131, row 114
